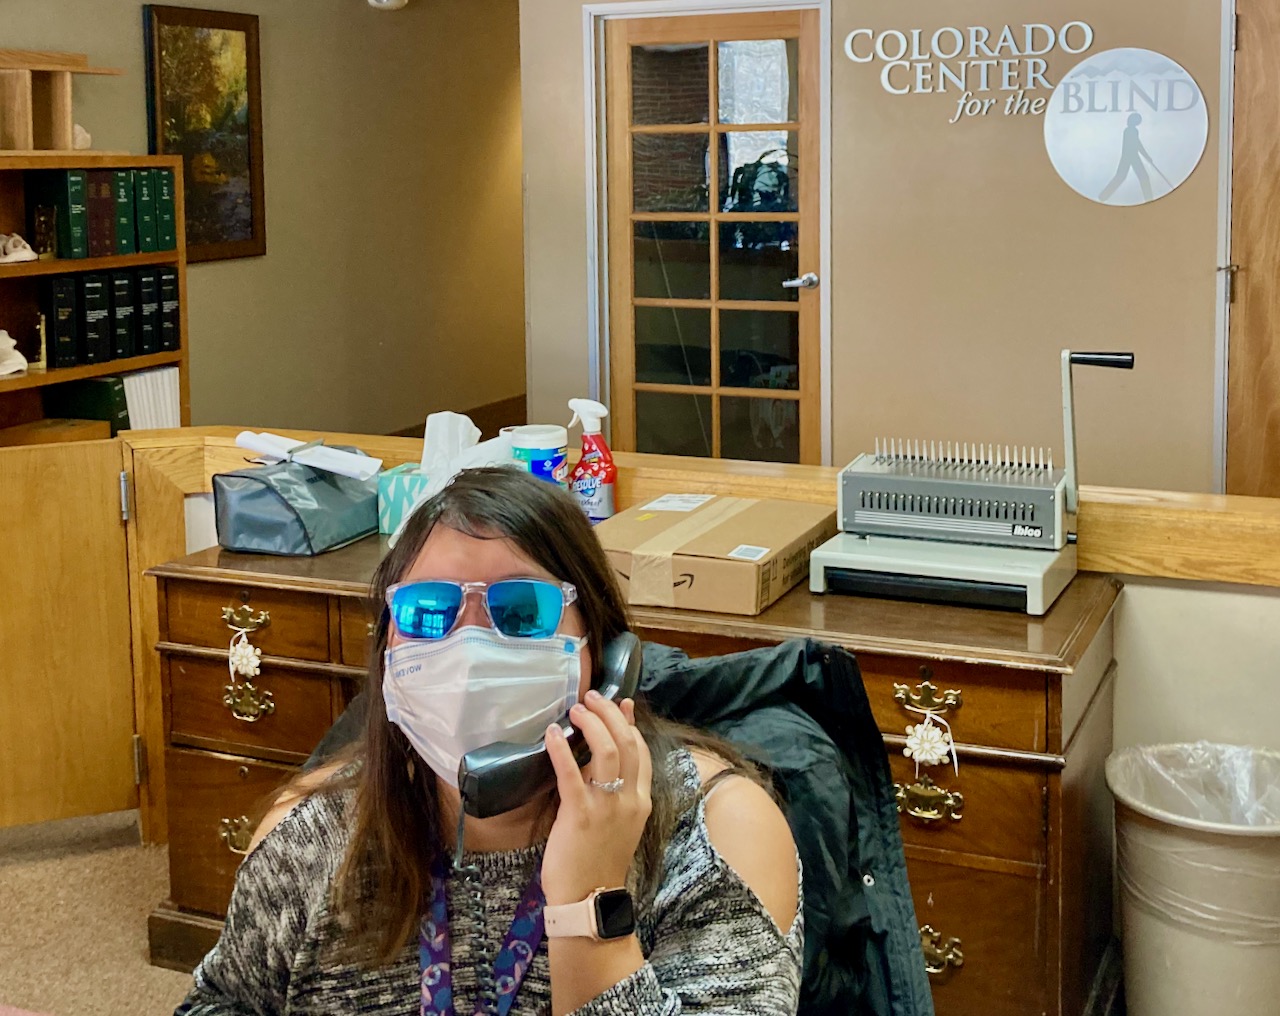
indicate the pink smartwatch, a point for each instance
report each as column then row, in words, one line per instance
column 605, row 914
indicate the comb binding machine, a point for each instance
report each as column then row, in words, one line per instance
column 980, row 525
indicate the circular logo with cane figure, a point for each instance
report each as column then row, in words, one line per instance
column 1126, row 127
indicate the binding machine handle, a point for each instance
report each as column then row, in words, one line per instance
column 1123, row 361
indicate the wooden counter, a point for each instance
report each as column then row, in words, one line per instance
column 1191, row 537
column 1009, row 860
column 1165, row 534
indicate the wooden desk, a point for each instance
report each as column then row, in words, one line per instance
column 1009, row 861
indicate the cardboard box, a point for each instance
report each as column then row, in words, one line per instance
column 398, row 491
column 704, row 552
column 52, row 431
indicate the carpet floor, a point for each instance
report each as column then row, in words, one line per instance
column 74, row 899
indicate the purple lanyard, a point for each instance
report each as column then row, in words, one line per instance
column 435, row 951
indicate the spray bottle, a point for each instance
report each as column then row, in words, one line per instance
column 594, row 477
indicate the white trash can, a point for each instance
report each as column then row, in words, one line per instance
column 1198, row 852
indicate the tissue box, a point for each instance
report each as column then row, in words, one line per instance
column 702, row 552
column 398, row 491
column 292, row 509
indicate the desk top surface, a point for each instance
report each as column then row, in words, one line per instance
column 1053, row 643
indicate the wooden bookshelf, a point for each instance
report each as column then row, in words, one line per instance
column 36, row 97
column 39, row 377
column 86, row 160
column 21, row 399
column 69, row 266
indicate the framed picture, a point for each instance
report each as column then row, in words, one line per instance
column 204, row 102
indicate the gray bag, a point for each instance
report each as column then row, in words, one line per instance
column 289, row 508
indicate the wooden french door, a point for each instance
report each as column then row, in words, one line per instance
column 714, row 235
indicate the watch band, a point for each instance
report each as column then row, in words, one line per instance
column 587, row 919
column 572, row 920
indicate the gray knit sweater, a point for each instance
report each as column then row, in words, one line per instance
column 710, row 945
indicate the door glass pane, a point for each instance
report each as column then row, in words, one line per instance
column 669, row 172
column 670, row 424
column 673, row 345
column 759, row 171
column 759, row 349
column 755, row 258
column 673, row 260
column 669, row 84
column 758, row 81
column 764, row 430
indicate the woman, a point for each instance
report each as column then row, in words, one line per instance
column 500, row 599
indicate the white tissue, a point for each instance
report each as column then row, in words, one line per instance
column 331, row 460
column 446, row 436
column 11, row 361
column 449, row 445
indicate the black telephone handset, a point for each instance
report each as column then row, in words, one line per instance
column 501, row 776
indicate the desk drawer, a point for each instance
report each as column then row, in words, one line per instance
column 357, row 626
column 296, row 624
column 214, row 802
column 1000, row 811
column 998, row 708
column 300, row 709
column 996, row 920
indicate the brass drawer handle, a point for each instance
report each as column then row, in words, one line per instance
column 236, row 833
column 247, row 703
column 242, row 618
column 926, row 698
column 939, row 955
column 370, row 629
column 929, row 802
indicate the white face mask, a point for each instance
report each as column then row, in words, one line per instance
column 474, row 687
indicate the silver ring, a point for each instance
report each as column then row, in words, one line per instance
column 612, row 787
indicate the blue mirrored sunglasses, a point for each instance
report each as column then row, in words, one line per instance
column 517, row 608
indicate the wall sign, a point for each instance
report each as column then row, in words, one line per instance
column 971, row 63
column 1126, row 127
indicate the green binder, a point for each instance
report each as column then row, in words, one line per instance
column 166, row 225
column 126, row 238
column 144, row 207
column 94, row 398
column 67, row 191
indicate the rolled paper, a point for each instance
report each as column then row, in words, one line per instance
column 331, row 460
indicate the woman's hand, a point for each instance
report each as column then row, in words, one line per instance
column 596, row 832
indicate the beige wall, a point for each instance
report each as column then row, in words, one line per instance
column 960, row 262
column 1197, row 661
column 392, row 285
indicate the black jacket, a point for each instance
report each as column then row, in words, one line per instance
column 800, row 707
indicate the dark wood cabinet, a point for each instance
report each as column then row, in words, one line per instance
column 1009, row 859
column 217, row 803
column 280, row 714
column 232, row 740
column 983, row 936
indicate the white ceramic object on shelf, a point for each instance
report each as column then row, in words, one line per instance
column 11, row 361
column 13, row 248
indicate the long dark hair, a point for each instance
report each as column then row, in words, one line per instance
column 383, row 885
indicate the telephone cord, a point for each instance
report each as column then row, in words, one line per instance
column 486, row 947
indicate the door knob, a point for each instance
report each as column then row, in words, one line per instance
column 809, row 280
